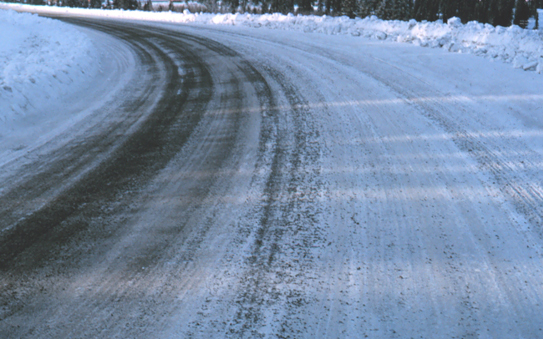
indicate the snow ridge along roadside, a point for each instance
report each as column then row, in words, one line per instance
column 41, row 60
column 523, row 48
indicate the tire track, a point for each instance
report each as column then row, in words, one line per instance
column 282, row 241
column 128, row 167
column 40, row 254
column 83, row 217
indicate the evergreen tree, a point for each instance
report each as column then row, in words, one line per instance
column 467, row 10
column 364, row 8
column 383, row 9
column 125, row 4
column 522, row 13
column 449, row 8
column 328, row 6
column 337, row 7
column 426, row 10
column 305, row 7
column 282, row 6
column 367, row 7
column 320, row 7
column 349, row 8
column 536, row 14
column 482, row 9
column 501, row 12
column 387, row 9
column 234, row 4
column 402, row 9
column 288, row 6
column 148, row 6
column 265, row 7
column 418, row 9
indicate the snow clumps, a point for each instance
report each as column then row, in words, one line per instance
column 522, row 48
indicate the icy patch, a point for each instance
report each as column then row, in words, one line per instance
column 40, row 61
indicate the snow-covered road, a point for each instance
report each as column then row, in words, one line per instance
column 259, row 183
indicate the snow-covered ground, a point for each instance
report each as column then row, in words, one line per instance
column 373, row 189
column 42, row 61
column 522, row 48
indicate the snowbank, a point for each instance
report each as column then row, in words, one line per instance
column 522, row 48
column 40, row 61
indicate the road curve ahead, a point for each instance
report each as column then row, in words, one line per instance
column 258, row 184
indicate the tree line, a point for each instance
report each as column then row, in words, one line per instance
column 495, row 12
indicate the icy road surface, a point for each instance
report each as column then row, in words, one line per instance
column 255, row 183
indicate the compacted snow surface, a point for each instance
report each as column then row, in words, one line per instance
column 42, row 63
column 258, row 183
column 40, row 60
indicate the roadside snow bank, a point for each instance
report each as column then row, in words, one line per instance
column 40, row 61
column 522, row 48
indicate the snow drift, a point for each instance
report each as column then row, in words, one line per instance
column 40, row 61
column 522, row 48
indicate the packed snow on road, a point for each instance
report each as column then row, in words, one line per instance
column 42, row 58
column 268, row 176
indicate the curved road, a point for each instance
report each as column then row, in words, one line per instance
column 262, row 184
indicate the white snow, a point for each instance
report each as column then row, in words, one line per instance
column 403, row 220
column 523, row 48
column 41, row 60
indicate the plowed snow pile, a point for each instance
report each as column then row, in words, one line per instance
column 521, row 47
column 41, row 60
